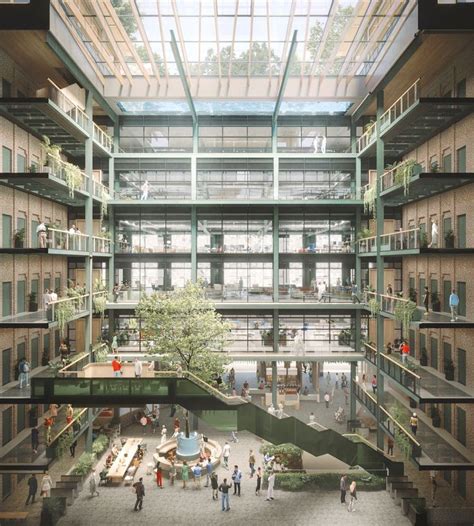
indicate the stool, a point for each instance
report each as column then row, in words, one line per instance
column 149, row 468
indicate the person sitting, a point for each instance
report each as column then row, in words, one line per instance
column 109, row 461
column 103, row 476
column 140, row 453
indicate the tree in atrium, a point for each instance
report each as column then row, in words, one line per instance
column 185, row 329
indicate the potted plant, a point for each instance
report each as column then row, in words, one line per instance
column 32, row 168
column 449, row 239
column 412, row 295
column 423, row 239
column 32, row 302
column 434, row 167
column 449, row 369
column 424, row 357
column 19, row 238
column 435, row 302
column 435, row 417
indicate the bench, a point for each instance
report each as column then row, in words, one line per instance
column 16, row 517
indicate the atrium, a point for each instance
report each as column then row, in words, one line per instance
column 235, row 261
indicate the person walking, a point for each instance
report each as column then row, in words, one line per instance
column 208, row 472
column 343, row 488
column 454, row 305
column 159, row 475
column 271, row 485
column 414, row 424
column 426, row 300
column 434, row 487
column 93, row 485
column 185, row 473
column 259, row 482
column 144, row 422
column 35, row 439
column 164, row 434
column 46, row 485
column 140, row 493
column 252, row 463
column 32, row 489
column 353, row 494
column 224, row 489
column 214, row 486
column 374, row 383
column 226, row 454
column 327, row 398
column 117, row 366
column 172, row 473
column 72, row 449
column 237, row 479
column 138, row 368
column 390, row 445
column 69, row 414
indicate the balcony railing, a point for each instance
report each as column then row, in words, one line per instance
column 367, row 138
column 100, row 191
column 64, row 240
column 102, row 245
column 62, row 170
column 400, row 240
column 400, row 106
column 104, row 139
column 72, row 306
column 68, row 106
column 386, row 303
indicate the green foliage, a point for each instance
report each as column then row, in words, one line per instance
column 185, row 328
column 51, row 153
column 100, row 351
column 84, row 464
column 404, row 311
column 63, row 313
column 288, row 455
column 364, row 233
column 99, row 302
column 64, row 443
column 73, row 177
column 100, row 444
column 404, row 172
column 326, row 481
column 370, row 196
column 403, row 443
column 54, row 507
column 374, row 306
column 125, row 13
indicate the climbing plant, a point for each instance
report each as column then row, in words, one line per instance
column 63, row 314
column 100, row 351
column 404, row 172
column 51, row 153
column 370, row 196
column 374, row 307
column 104, row 203
column 404, row 311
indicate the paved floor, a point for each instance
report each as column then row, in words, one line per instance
column 174, row 505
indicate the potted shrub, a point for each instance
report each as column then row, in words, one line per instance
column 423, row 239
column 412, row 295
column 32, row 302
column 449, row 369
column 435, row 302
column 435, row 417
column 424, row 357
column 449, row 239
column 19, row 238
column 434, row 167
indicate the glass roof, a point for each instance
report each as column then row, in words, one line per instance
column 230, row 41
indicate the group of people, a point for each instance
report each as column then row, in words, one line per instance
column 344, row 486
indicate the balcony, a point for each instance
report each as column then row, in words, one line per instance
column 411, row 120
column 422, row 384
column 58, row 117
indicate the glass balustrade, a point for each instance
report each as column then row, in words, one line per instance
column 68, row 106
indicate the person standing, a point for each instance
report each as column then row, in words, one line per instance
column 226, row 454
column 164, row 434
column 72, row 449
column 374, row 383
column 214, row 486
column 434, row 487
column 144, row 422
column 93, row 485
column 138, row 367
column 46, row 485
column 172, row 473
column 159, row 475
column 41, row 230
column 453, row 305
column 343, row 488
column 224, row 489
column 144, row 189
column 185, row 473
column 237, row 478
column 22, row 373
column 414, row 424
column 390, row 445
column 116, row 292
column 114, row 345
column 405, row 351
column 251, row 463
column 140, row 493
column 208, row 472
column 327, row 399
column 197, row 472
column 259, row 482
column 117, row 367
column 69, row 414
column 53, row 411
column 35, row 439
column 271, row 485
column 426, row 300
column 32, row 489
column 354, row 293
column 353, row 494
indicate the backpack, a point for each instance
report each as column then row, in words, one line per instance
column 22, row 367
column 26, row 367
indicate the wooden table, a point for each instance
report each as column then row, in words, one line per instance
column 121, row 464
column 13, row 516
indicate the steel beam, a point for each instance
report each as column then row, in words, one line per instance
column 182, row 74
column 286, row 74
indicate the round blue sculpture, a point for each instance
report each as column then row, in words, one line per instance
column 188, row 448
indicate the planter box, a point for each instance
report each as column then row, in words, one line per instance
column 77, row 479
column 404, row 493
column 67, row 493
column 399, row 485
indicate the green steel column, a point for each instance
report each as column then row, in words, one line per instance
column 353, row 401
column 193, row 177
column 358, row 178
column 276, row 177
column 111, row 261
column 380, row 162
column 274, row 136
column 88, row 445
column 276, row 341
column 276, row 252
column 357, row 332
column 89, row 214
column 194, row 234
column 195, row 136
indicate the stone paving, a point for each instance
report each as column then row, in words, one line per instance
column 174, row 505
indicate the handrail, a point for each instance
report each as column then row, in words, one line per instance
column 67, row 426
column 67, row 240
column 367, row 137
column 400, row 426
column 401, row 366
column 398, row 107
column 399, row 240
column 396, row 298
column 101, row 244
column 59, row 169
column 364, row 440
column 83, row 355
column 103, row 138
column 99, row 190
column 67, row 105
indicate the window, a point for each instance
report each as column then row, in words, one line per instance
column 34, row 347
column 447, row 228
column 447, row 417
column 34, row 236
column 6, row 160
column 6, row 231
column 461, row 366
column 446, row 293
column 461, row 228
column 6, row 485
column 6, row 366
column 434, row 353
column 461, row 425
column 421, row 343
column 462, row 484
column 446, row 162
column 421, row 289
column 446, row 354
column 7, row 425
column 21, row 161
column 20, row 296
column 461, row 159
column 20, row 417
column 6, row 88
column 6, row 298
column 461, row 292
column 461, row 88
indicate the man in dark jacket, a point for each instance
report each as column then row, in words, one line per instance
column 32, row 489
column 34, row 439
column 343, row 488
column 140, row 491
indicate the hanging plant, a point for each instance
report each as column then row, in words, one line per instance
column 104, row 205
column 64, row 443
column 370, row 196
column 99, row 302
column 374, row 307
column 404, row 172
column 404, row 311
column 51, row 153
column 73, row 177
column 64, row 313
column 100, row 350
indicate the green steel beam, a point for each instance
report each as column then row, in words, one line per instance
column 182, row 74
column 65, row 58
column 286, row 74
column 276, row 253
column 194, row 235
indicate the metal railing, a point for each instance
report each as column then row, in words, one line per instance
column 61, row 170
column 69, row 107
column 79, row 362
column 69, row 426
column 74, row 305
column 100, row 191
column 387, row 303
column 401, row 105
column 104, row 139
column 399, row 240
column 367, row 138
column 102, row 245
column 65, row 240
